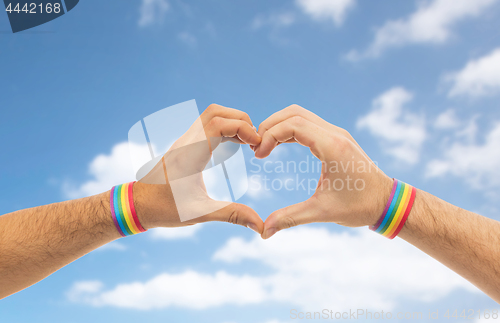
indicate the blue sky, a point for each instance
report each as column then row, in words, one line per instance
column 415, row 82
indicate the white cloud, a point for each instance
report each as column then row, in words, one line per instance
column 175, row 233
column 401, row 132
column 188, row 290
column 476, row 163
column 480, row 77
column 262, row 172
column 187, row 38
column 106, row 171
column 468, row 132
column 315, row 268
column 431, row 23
column 489, row 318
column 334, row 10
column 319, row 10
column 113, row 169
column 278, row 20
column 152, row 12
column 447, row 120
column 310, row 268
column 80, row 289
column 115, row 245
column 257, row 188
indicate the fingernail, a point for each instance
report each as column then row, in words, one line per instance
column 253, row 227
column 269, row 233
column 254, row 128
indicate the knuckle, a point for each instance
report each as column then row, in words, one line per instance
column 270, row 134
column 287, row 222
column 295, row 108
column 233, row 217
column 212, row 108
column 341, row 143
column 215, row 122
column 245, row 116
column 297, row 120
column 242, row 123
column 314, row 147
column 345, row 132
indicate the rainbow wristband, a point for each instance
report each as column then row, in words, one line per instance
column 396, row 211
column 123, row 211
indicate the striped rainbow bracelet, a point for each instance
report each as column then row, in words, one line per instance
column 396, row 211
column 123, row 211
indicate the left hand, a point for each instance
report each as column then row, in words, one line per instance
column 344, row 195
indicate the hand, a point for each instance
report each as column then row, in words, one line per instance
column 345, row 196
column 175, row 186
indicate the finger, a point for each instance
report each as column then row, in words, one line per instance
column 295, row 128
column 222, row 127
column 287, row 113
column 237, row 214
column 234, row 139
column 296, row 110
column 290, row 216
column 215, row 110
column 291, row 140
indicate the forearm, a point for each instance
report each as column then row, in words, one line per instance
column 36, row 242
column 466, row 242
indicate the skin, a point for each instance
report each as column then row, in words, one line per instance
column 466, row 242
column 36, row 242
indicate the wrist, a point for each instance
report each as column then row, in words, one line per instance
column 123, row 211
column 104, row 212
column 421, row 219
column 153, row 204
column 382, row 196
column 396, row 211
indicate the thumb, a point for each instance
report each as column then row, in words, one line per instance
column 237, row 214
column 290, row 216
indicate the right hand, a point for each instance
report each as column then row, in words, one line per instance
column 185, row 160
column 346, row 196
